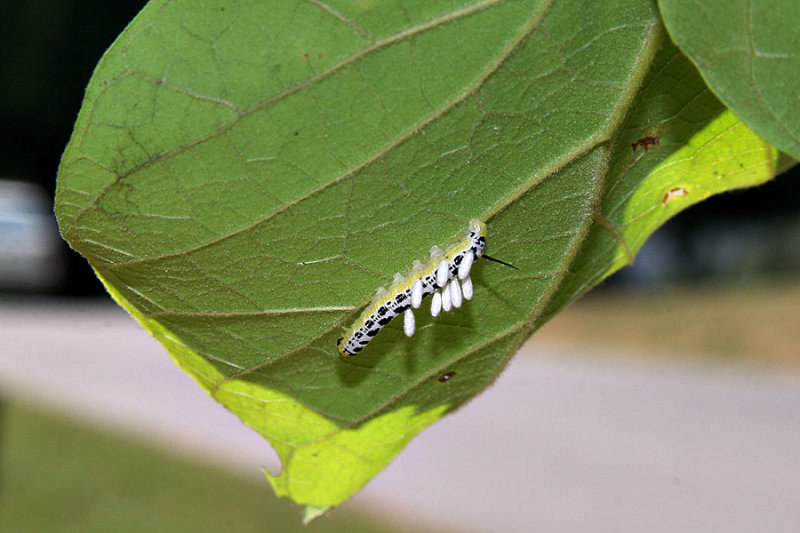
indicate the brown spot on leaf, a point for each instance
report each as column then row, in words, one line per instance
column 445, row 377
column 675, row 192
column 645, row 142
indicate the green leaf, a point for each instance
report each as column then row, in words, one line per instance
column 244, row 175
column 749, row 54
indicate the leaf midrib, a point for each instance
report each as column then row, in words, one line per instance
column 471, row 90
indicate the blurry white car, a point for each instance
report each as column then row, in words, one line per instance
column 31, row 251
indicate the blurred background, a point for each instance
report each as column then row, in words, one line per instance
column 100, row 431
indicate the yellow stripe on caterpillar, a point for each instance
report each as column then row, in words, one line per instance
column 444, row 268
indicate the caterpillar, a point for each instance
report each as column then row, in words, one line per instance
column 446, row 276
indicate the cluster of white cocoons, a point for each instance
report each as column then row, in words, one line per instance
column 450, row 293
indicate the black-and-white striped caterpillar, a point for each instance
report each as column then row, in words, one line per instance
column 445, row 275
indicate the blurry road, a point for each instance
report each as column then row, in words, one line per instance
column 560, row 443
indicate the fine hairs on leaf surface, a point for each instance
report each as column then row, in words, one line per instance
column 244, row 174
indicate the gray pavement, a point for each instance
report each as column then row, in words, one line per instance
column 560, row 443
